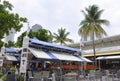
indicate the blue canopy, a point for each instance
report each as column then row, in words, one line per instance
column 34, row 41
column 53, row 55
column 56, row 55
column 11, row 50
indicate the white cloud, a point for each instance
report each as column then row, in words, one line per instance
column 53, row 14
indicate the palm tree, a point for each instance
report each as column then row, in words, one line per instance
column 92, row 24
column 61, row 37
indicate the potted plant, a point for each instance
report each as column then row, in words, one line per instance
column 20, row 78
column 4, row 77
column 1, row 74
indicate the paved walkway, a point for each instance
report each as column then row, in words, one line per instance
column 110, row 79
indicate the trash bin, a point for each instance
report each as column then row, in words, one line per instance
column 10, row 76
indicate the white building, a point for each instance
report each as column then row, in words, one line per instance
column 89, row 38
column 36, row 27
column 103, row 47
column 11, row 36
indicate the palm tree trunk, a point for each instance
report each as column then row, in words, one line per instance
column 61, row 43
column 94, row 52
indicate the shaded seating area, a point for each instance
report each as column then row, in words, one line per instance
column 112, row 72
column 56, row 55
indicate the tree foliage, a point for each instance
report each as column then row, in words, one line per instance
column 20, row 39
column 9, row 20
column 92, row 25
column 41, row 34
column 92, row 22
column 61, row 37
column 10, row 44
column 1, row 44
column 44, row 35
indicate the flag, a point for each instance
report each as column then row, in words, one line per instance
column 81, row 44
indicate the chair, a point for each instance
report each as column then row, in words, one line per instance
column 45, row 75
column 91, row 75
column 117, row 78
column 37, row 76
column 110, row 76
column 69, row 78
column 72, row 76
column 30, row 76
column 98, row 75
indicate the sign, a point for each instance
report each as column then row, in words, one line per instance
column 117, row 62
column 1, row 62
column 23, row 63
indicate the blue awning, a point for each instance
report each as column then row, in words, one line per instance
column 12, row 50
column 55, row 55
column 34, row 41
column 17, row 57
column 84, row 59
column 11, row 58
column 51, row 55
column 41, row 54
column 108, row 57
column 65, row 56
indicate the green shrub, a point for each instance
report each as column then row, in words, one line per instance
column 20, row 78
column 12, row 69
column 4, row 77
column 1, row 74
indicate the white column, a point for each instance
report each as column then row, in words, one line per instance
column 2, row 51
column 24, row 55
column 2, row 57
column 25, row 42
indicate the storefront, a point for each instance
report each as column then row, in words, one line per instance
column 36, row 53
column 109, row 62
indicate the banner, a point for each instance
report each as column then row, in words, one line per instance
column 1, row 62
column 23, row 63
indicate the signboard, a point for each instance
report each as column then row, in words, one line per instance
column 117, row 62
column 23, row 63
column 1, row 62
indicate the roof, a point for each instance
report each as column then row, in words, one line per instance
column 56, row 55
column 103, row 51
column 55, row 46
column 12, row 50
column 103, row 42
column 108, row 57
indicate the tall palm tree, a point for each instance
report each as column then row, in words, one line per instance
column 61, row 37
column 92, row 24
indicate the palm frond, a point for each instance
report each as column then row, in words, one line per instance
column 98, row 14
column 102, row 21
column 61, row 37
column 92, row 22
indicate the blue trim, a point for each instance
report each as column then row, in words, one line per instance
column 10, row 50
column 104, row 57
column 34, row 41
column 80, row 58
column 51, row 55
column 17, row 57
column 20, row 52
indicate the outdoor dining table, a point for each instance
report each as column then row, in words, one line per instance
column 70, row 76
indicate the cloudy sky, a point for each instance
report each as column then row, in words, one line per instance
column 53, row 14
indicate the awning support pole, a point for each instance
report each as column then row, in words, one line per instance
column 60, row 65
column 99, row 65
